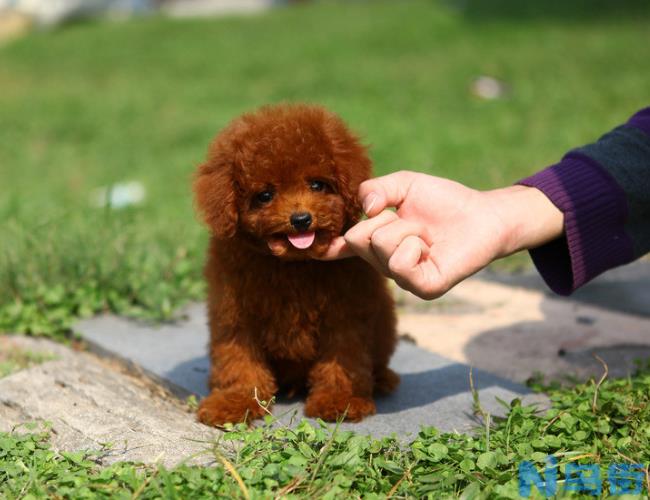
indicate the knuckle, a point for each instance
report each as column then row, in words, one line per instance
column 388, row 216
column 396, row 266
column 419, row 230
column 350, row 238
column 380, row 238
column 355, row 237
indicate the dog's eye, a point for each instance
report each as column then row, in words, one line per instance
column 318, row 186
column 264, row 196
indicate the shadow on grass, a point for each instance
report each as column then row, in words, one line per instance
column 551, row 10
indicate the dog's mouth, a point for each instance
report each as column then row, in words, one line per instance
column 281, row 244
column 302, row 241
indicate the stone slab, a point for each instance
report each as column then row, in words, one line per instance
column 516, row 332
column 624, row 289
column 91, row 403
column 434, row 390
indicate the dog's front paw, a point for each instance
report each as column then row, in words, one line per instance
column 331, row 406
column 229, row 406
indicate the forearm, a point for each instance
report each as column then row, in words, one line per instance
column 603, row 191
column 529, row 218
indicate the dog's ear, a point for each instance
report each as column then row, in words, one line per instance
column 353, row 166
column 216, row 198
column 351, row 174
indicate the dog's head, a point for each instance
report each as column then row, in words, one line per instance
column 285, row 178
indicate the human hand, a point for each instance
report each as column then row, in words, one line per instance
column 442, row 231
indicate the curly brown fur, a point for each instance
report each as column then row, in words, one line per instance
column 279, row 318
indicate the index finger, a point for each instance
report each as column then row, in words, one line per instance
column 338, row 249
column 386, row 191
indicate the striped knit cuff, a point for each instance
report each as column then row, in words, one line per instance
column 641, row 120
column 595, row 210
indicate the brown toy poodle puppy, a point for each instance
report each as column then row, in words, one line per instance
column 277, row 186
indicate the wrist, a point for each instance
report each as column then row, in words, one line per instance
column 529, row 219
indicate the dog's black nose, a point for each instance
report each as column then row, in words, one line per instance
column 301, row 220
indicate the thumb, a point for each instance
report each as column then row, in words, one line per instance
column 382, row 192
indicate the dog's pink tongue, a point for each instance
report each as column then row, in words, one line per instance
column 302, row 240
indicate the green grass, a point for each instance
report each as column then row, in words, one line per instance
column 13, row 359
column 94, row 104
column 592, row 423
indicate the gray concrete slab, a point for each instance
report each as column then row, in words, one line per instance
column 434, row 390
column 624, row 289
column 515, row 332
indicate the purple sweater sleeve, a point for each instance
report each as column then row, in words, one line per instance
column 595, row 211
column 641, row 120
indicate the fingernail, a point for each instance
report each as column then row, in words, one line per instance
column 369, row 202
